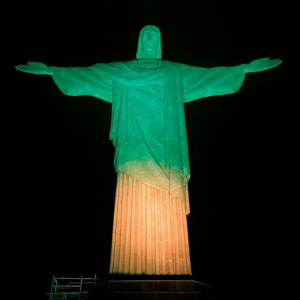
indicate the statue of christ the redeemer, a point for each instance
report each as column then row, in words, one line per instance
column 150, row 234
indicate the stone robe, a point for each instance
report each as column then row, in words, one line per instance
column 148, row 121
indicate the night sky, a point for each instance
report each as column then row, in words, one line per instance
column 60, row 175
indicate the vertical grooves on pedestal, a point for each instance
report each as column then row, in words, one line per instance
column 149, row 231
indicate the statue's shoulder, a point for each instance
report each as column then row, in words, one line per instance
column 119, row 64
column 173, row 64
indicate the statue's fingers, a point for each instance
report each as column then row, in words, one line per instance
column 259, row 61
column 276, row 62
column 264, row 59
column 33, row 63
column 21, row 67
column 272, row 65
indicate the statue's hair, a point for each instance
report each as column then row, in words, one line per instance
column 157, row 55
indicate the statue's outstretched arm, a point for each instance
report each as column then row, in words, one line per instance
column 202, row 82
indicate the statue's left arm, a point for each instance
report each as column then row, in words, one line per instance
column 206, row 82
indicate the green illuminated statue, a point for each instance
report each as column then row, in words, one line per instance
column 149, row 133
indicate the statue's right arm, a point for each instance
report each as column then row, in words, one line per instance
column 94, row 81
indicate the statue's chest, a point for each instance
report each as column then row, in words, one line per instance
column 148, row 93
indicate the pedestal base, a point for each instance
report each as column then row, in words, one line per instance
column 151, row 290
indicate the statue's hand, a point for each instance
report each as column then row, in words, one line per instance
column 35, row 68
column 262, row 64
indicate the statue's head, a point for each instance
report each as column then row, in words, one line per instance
column 149, row 45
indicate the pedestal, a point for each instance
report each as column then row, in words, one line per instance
column 151, row 290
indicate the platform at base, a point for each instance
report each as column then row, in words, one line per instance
column 151, row 290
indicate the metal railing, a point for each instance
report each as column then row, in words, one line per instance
column 63, row 288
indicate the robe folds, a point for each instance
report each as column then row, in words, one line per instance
column 148, row 121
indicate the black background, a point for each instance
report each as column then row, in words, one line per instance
column 60, row 181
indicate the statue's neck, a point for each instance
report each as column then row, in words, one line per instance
column 148, row 63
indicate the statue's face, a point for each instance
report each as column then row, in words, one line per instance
column 149, row 40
